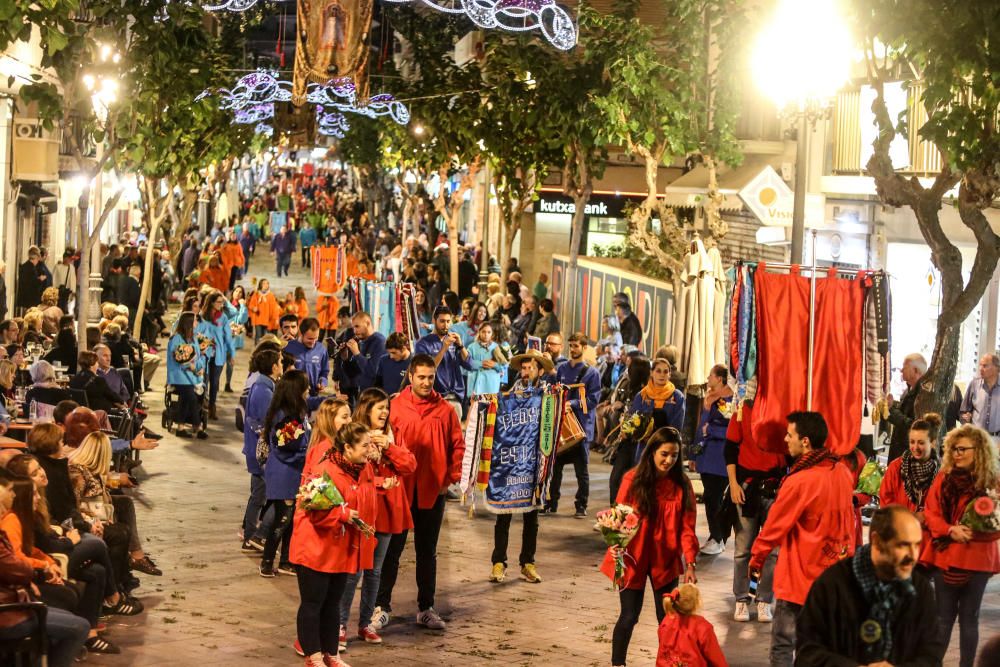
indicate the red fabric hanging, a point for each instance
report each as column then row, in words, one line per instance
column 782, row 342
column 837, row 363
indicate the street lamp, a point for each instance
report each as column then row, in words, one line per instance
column 800, row 61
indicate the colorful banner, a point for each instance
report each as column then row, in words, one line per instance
column 515, row 459
column 597, row 281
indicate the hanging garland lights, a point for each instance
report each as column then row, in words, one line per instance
column 253, row 89
column 264, row 128
column 341, row 95
column 231, row 5
column 254, row 114
column 331, row 124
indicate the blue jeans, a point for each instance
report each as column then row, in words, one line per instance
column 369, row 587
column 964, row 602
column 66, row 633
column 745, row 536
column 783, row 633
column 254, row 525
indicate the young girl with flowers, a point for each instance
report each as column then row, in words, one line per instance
column 964, row 560
column 185, row 373
column 328, row 545
column 390, row 463
column 288, row 434
column 216, row 339
column 665, row 546
column 685, row 637
column 237, row 328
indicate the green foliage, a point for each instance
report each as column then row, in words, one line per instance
column 642, row 262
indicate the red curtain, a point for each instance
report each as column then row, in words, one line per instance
column 783, row 342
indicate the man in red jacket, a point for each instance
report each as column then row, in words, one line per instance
column 423, row 422
column 811, row 520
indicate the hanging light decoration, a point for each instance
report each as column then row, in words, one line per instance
column 340, row 94
column 264, row 128
column 255, row 88
column 331, row 124
column 231, row 5
column 254, row 114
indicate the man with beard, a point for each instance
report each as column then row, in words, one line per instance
column 873, row 609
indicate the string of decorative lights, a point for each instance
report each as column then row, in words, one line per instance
column 331, row 124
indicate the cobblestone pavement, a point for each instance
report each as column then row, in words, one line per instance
column 211, row 607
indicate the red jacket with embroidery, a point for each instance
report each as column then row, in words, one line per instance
column 429, row 428
column 394, row 514
column 662, row 539
column 326, row 540
column 688, row 641
column 812, row 520
column 979, row 555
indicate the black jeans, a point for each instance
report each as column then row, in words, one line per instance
column 214, row 375
column 426, row 529
column 390, row 571
column 715, row 488
column 631, row 607
column 189, row 411
column 89, row 551
column 318, row 620
column 625, row 460
column 125, row 514
column 964, row 602
column 529, row 537
column 578, row 457
column 281, row 530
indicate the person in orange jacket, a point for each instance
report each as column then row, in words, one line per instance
column 685, row 637
column 264, row 310
column 215, row 275
column 665, row 546
column 424, row 423
column 232, row 259
column 301, row 304
column 328, row 545
column 811, row 520
column 964, row 560
column 326, row 312
column 908, row 478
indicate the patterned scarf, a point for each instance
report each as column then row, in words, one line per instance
column 809, row 459
column 957, row 483
column 658, row 395
column 883, row 598
column 917, row 476
column 352, row 469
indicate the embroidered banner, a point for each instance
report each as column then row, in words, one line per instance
column 515, row 459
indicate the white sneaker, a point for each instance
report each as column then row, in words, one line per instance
column 380, row 619
column 764, row 614
column 713, row 548
column 430, row 619
column 742, row 612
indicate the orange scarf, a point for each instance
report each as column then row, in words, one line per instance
column 658, row 395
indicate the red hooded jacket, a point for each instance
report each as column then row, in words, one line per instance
column 394, row 514
column 689, row 641
column 657, row 548
column 429, row 428
column 812, row 520
column 979, row 555
column 327, row 541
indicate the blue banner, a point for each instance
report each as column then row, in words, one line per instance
column 278, row 220
column 515, row 463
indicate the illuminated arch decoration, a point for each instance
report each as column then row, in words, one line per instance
column 331, row 124
column 253, row 89
column 341, row 94
column 230, row 5
column 254, row 114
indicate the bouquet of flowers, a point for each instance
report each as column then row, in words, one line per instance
column 236, row 328
column 204, row 342
column 982, row 515
column 618, row 525
column 289, row 431
column 871, row 478
column 636, row 426
column 319, row 493
column 183, row 353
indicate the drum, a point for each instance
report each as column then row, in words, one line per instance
column 571, row 433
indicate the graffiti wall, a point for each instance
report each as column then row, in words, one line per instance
column 597, row 281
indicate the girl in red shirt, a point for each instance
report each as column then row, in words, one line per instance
column 685, row 637
column 666, row 545
column 328, row 545
column 964, row 560
column 331, row 415
column 390, row 462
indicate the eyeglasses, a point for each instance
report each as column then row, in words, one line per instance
column 961, row 450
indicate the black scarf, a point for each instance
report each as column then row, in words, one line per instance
column 917, row 476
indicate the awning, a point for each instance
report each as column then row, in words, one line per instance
column 689, row 190
column 31, row 190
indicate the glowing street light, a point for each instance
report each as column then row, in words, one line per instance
column 800, row 60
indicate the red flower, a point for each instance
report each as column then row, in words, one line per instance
column 984, row 506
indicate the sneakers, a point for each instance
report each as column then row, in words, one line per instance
column 252, row 545
column 146, row 566
column 298, row 649
column 334, row 661
column 581, row 513
column 430, row 620
column 742, row 612
column 267, row 570
column 530, row 574
column 287, row 568
column 369, row 635
column 713, row 548
column 316, row 662
column 764, row 614
column 342, row 642
column 380, row 619
column 498, row 573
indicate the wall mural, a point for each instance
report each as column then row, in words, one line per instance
column 597, row 283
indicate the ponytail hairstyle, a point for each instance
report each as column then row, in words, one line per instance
column 684, row 600
column 351, row 434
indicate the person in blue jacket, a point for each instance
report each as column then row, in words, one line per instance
column 288, row 433
column 394, row 364
column 311, row 356
column 487, row 371
column 216, row 340
column 307, row 239
column 709, row 454
column 577, row 371
column 186, row 374
column 267, row 367
column 364, row 351
column 238, row 302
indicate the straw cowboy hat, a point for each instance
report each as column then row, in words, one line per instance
column 535, row 355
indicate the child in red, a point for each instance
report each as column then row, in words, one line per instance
column 685, row 637
column 328, row 545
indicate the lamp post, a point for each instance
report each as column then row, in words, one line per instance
column 800, row 61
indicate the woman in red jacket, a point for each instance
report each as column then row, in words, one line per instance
column 909, row 477
column 328, row 545
column 964, row 560
column 390, row 462
column 331, row 415
column 666, row 545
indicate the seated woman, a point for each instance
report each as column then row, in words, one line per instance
column 51, row 312
column 45, row 389
column 99, row 394
column 7, row 372
column 65, row 350
column 32, row 332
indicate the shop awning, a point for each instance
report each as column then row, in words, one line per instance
column 689, row 190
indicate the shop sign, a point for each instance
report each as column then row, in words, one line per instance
column 601, row 206
column 769, row 198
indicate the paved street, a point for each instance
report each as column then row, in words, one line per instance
column 211, row 607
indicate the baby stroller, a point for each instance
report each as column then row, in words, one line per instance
column 172, row 409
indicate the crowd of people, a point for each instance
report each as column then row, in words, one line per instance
column 326, row 396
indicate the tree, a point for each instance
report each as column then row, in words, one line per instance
column 954, row 61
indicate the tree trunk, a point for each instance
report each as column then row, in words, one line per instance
column 155, row 220
column 569, row 306
column 83, row 273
